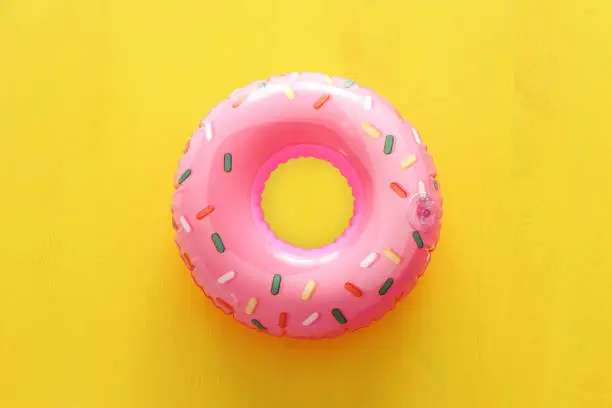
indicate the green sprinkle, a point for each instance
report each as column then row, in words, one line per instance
column 388, row 144
column 184, row 176
column 339, row 316
column 262, row 85
column 417, row 239
column 216, row 239
column 436, row 185
column 276, row 281
column 227, row 162
column 349, row 83
column 385, row 287
column 258, row 324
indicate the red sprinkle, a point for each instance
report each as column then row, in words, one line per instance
column 321, row 101
column 205, row 212
column 223, row 305
column 399, row 190
column 352, row 289
column 282, row 320
column 188, row 261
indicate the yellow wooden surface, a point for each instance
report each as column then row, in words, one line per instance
column 97, row 99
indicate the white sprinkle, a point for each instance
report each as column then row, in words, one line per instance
column 369, row 260
column 367, row 103
column 208, row 131
column 422, row 191
column 251, row 306
column 311, row 319
column 185, row 224
column 416, row 136
column 226, row 277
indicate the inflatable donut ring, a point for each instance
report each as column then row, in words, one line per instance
column 266, row 283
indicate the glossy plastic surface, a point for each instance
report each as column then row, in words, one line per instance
column 275, row 287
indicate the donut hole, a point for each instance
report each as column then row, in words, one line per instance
column 307, row 202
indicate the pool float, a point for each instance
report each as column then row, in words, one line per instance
column 266, row 283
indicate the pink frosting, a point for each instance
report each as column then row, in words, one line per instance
column 266, row 283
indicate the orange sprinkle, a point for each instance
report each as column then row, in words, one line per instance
column 205, row 212
column 282, row 320
column 187, row 260
column 187, row 146
column 352, row 289
column 321, row 101
column 223, row 305
column 399, row 190
column 239, row 101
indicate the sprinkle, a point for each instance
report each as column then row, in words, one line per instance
column 385, row 287
column 371, row 130
column 239, row 101
column 262, row 85
column 418, row 239
column 227, row 162
column 216, row 239
column 369, row 260
column 208, row 131
column 311, row 319
column 174, row 226
column 417, row 138
column 226, row 277
column 282, row 320
column 394, row 257
column 308, row 289
column 187, row 146
column 367, row 103
column 339, row 316
column 276, row 282
column 289, row 92
column 352, row 289
column 408, row 161
column 328, row 79
column 349, row 83
column 388, row 148
column 422, row 191
column 321, row 101
column 184, row 176
column 436, row 184
column 185, row 224
column 187, row 261
column 398, row 190
column 224, row 306
column 251, row 306
column 258, row 325
column 205, row 212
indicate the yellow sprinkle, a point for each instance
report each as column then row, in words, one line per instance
column 389, row 253
column 251, row 306
column 289, row 92
column 371, row 130
column 308, row 289
column 328, row 79
column 408, row 161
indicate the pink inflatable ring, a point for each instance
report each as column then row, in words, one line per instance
column 266, row 283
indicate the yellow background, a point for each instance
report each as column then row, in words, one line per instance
column 97, row 99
